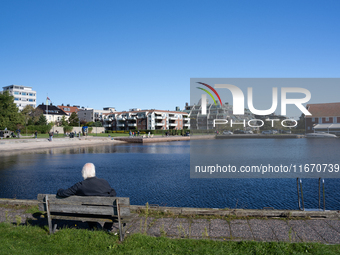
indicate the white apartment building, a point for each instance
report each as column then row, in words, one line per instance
column 137, row 119
column 89, row 114
column 22, row 95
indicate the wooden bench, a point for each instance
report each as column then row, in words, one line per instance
column 86, row 208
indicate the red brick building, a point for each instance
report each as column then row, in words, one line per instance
column 325, row 118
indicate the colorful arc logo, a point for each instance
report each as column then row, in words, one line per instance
column 208, row 92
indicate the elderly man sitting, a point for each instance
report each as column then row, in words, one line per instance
column 90, row 186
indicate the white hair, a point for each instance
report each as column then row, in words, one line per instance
column 88, row 171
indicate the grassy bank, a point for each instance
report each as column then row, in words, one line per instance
column 35, row 240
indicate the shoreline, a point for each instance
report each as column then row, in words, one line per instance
column 187, row 211
column 17, row 146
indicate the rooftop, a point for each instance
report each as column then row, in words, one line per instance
column 323, row 110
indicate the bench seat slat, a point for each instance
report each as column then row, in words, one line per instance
column 89, row 218
column 85, row 209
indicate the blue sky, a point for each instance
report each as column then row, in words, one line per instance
column 142, row 54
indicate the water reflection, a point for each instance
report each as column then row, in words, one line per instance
column 159, row 173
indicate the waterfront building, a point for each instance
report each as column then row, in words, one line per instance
column 23, row 95
column 325, row 118
column 69, row 109
column 52, row 112
column 137, row 119
column 92, row 115
column 198, row 121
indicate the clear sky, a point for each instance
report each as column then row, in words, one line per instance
column 142, row 54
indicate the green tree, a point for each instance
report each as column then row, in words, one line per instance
column 10, row 116
column 42, row 120
column 301, row 122
column 31, row 114
column 64, row 122
column 73, row 120
column 97, row 124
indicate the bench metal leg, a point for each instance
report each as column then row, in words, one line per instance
column 49, row 219
column 54, row 227
column 121, row 232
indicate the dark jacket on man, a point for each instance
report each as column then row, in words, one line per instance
column 92, row 186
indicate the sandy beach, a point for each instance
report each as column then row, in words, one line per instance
column 22, row 145
column 13, row 146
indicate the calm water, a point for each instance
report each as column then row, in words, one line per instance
column 159, row 174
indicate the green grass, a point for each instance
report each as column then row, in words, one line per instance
column 27, row 208
column 35, row 240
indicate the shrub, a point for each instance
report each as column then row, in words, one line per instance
column 67, row 129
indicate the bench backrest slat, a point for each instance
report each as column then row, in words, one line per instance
column 89, row 199
column 85, row 205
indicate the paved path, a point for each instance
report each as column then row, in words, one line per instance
column 323, row 231
column 320, row 230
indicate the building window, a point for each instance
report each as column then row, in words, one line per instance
column 24, row 93
column 16, row 99
column 16, row 93
column 308, row 128
column 327, row 118
column 313, row 119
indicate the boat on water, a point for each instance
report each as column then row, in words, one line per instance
column 320, row 135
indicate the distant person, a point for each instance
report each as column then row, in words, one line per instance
column 1, row 134
column 90, row 186
column 36, row 134
column 51, row 136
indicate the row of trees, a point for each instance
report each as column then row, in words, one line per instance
column 32, row 119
